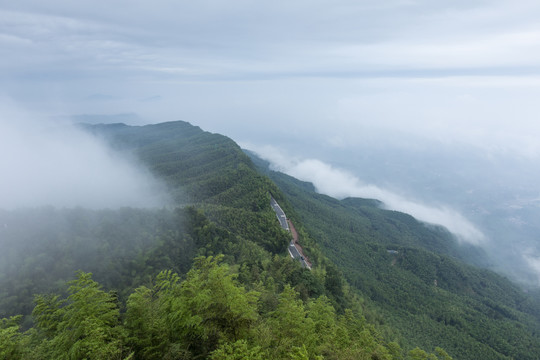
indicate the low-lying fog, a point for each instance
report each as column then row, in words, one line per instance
column 491, row 200
column 57, row 164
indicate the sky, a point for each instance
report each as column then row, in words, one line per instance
column 412, row 101
column 461, row 71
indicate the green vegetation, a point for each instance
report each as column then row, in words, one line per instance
column 207, row 315
column 42, row 248
column 421, row 287
column 212, row 279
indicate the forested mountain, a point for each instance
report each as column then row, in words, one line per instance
column 210, row 277
column 416, row 276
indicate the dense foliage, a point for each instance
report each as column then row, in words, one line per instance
column 413, row 274
column 207, row 315
column 212, row 279
column 122, row 248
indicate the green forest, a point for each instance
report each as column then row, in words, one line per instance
column 210, row 277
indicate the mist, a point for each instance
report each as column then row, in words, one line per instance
column 340, row 184
column 430, row 107
column 485, row 198
column 56, row 164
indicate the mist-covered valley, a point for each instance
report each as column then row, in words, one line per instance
column 486, row 198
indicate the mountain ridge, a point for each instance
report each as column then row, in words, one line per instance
column 225, row 209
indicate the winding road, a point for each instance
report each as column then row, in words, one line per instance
column 279, row 213
column 294, row 249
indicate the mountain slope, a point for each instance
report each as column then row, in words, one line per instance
column 223, row 201
column 197, row 166
column 224, row 208
column 415, row 275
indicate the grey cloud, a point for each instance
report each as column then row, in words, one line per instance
column 253, row 38
column 101, row 97
column 154, row 98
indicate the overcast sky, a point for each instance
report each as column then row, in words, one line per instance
column 463, row 71
column 319, row 77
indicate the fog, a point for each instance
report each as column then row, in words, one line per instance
column 57, row 164
column 340, row 184
column 485, row 198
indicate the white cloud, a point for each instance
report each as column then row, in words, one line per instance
column 507, row 49
column 340, row 184
column 59, row 165
column 490, row 113
column 534, row 263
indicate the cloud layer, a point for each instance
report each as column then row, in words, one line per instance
column 341, row 184
column 456, row 71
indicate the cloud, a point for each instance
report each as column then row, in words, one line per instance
column 126, row 118
column 101, row 97
column 154, row 98
column 44, row 164
column 445, row 70
column 261, row 40
column 534, row 263
column 341, row 184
